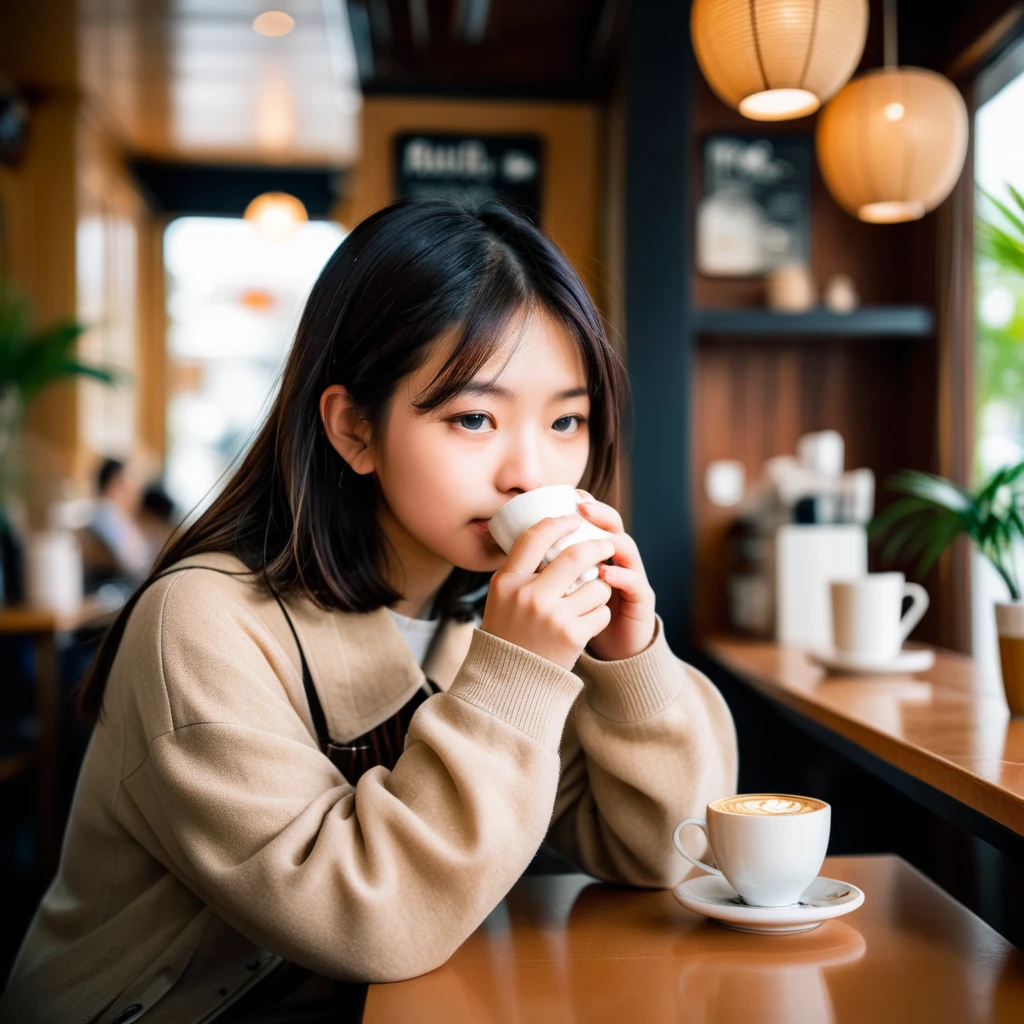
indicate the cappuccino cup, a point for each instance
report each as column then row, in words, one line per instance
column 515, row 517
column 868, row 621
column 769, row 846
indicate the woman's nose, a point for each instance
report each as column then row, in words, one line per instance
column 521, row 468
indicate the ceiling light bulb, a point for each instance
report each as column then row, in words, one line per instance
column 273, row 23
column 276, row 215
column 779, row 104
column 894, row 111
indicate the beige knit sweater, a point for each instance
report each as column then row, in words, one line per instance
column 210, row 837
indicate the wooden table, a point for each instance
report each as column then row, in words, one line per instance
column 565, row 948
column 949, row 738
column 46, row 627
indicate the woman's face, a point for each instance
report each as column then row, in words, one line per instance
column 444, row 473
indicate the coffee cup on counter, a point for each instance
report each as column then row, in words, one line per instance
column 769, row 846
column 868, row 621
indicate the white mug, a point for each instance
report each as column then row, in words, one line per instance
column 769, row 846
column 54, row 571
column 515, row 517
column 866, row 615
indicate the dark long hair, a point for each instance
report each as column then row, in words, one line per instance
column 413, row 272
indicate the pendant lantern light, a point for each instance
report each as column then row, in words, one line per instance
column 778, row 59
column 892, row 144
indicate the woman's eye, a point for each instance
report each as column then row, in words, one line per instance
column 472, row 421
column 569, row 424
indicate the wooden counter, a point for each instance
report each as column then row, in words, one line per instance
column 566, row 948
column 940, row 728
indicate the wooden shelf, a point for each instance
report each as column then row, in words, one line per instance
column 866, row 322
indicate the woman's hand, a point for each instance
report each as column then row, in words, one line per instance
column 631, row 628
column 531, row 609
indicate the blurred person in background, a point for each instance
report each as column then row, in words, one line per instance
column 114, row 521
column 157, row 519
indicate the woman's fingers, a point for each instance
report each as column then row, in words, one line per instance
column 626, row 551
column 632, row 585
column 528, row 552
column 596, row 621
column 571, row 563
column 593, row 594
column 601, row 515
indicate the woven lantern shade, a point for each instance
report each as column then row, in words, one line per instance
column 777, row 59
column 892, row 144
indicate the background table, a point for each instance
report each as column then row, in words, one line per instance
column 565, row 948
column 47, row 627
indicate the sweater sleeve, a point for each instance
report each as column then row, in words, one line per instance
column 649, row 742
column 377, row 882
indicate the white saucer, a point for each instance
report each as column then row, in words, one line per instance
column 714, row 897
column 904, row 662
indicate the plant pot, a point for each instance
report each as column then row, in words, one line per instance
column 1010, row 626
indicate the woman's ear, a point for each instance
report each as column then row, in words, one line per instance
column 347, row 432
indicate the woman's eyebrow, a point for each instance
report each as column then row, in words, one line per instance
column 495, row 390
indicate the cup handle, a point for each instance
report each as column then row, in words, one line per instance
column 702, row 824
column 919, row 605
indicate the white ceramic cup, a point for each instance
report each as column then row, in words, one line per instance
column 867, row 619
column 769, row 854
column 515, row 517
column 54, row 571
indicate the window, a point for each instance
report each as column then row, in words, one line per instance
column 233, row 303
column 999, row 316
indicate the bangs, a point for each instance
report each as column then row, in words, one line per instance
column 498, row 311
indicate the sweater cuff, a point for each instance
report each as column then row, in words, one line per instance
column 634, row 688
column 517, row 686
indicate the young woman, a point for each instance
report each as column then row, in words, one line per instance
column 324, row 747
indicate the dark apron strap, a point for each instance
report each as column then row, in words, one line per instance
column 316, row 710
column 382, row 745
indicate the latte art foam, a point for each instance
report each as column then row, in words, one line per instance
column 772, row 804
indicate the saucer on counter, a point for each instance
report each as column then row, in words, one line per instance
column 844, row 663
column 713, row 897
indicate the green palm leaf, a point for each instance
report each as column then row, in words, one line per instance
column 33, row 360
column 934, row 489
column 936, row 511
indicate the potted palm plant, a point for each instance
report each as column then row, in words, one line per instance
column 934, row 512
column 30, row 361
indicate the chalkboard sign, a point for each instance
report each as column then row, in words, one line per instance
column 755, row 211
column 476, row 167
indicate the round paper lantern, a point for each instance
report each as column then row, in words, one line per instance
column 777, row 59
column 892, row 144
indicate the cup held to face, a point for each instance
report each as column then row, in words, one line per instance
column 516, row 516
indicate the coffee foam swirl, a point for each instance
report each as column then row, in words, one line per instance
column 768, row 804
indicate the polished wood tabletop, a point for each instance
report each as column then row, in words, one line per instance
column 943, row 726
column 567, row 948
column 24, row 619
